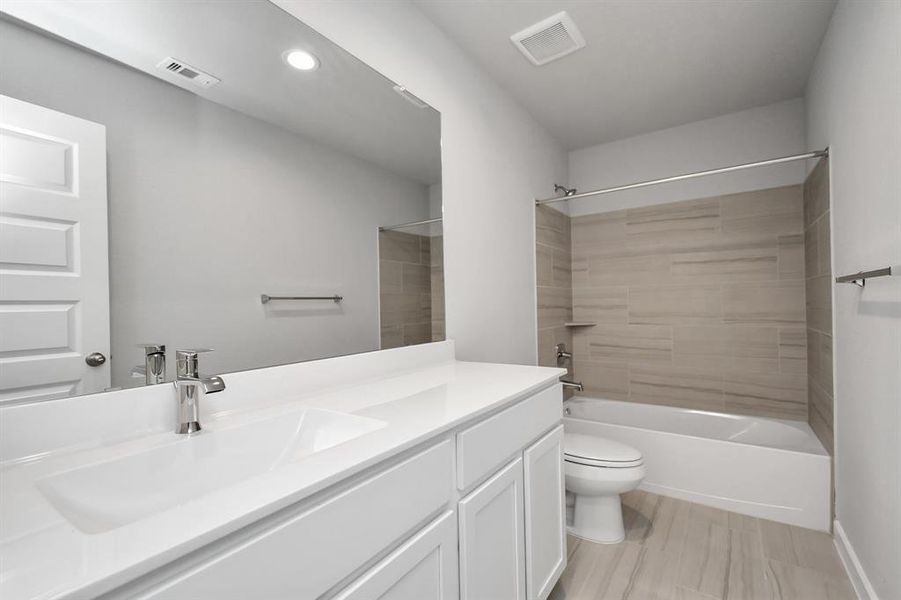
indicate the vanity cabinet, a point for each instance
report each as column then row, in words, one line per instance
column 486, row 526
column 492, row 538
column 307, row 555
column 545, row 514
column 424, row 568
column 512, row 527
column 484, row 447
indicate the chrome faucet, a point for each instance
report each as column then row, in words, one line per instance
column 191, row 387
column 562, row 354
column 154, row 370
column 562, row 357
column 575, row 385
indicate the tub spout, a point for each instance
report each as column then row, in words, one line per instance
column 575, row 385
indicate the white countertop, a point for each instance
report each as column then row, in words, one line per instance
column 43, row 556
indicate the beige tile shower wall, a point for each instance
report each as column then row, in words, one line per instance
column 437, row 273
column 405, row 289
column 698, row 304
column 818, row 268
column 554, row 275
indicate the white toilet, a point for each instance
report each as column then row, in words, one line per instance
column 597, row 472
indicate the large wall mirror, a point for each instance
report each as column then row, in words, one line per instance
column 203, row 174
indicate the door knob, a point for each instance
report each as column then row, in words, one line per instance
column 95, row 359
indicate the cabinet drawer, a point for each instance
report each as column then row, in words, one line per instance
column 311, row 553
column 484, row 447
column 424, row 568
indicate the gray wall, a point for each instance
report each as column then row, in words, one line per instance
column 209, row 208
column 730, row 139
column 854, row 106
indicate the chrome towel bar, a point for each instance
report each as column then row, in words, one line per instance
column 266, row 298
column 860, row 279
column 411, row 224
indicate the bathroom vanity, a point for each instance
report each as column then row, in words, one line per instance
column 394, row 474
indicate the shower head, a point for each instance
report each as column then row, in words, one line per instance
column 566, row 191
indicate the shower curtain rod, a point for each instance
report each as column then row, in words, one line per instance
column 413, row 224
column 619, row 188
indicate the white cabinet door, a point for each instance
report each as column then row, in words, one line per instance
column 492, row 553
column 54, row 274
column 423, row 568
column 545, row 514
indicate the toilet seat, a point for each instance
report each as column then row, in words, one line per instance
column 594, row 451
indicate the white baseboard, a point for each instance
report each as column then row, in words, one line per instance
column 856, row 574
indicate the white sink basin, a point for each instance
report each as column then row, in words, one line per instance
column 107, row 495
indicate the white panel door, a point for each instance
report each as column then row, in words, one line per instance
column 423, row 568
column 492, row 553
column 54, row 273
column 545, row 507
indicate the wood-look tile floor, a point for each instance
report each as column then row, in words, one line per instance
column 677, row 550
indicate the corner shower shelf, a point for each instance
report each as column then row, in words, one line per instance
column 579, row 324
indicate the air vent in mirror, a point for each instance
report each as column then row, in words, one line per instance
column 173, row 65
column 409, row 97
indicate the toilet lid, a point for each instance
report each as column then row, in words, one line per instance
column 599, row 452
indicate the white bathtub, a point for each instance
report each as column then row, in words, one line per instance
column 767, row 468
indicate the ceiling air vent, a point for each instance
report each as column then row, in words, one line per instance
column 198, row 77
column 549, row 40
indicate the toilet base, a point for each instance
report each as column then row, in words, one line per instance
column 598, row 519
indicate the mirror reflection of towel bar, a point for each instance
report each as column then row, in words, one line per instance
column 265, row 298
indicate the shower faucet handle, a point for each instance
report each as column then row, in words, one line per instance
column 562, row 355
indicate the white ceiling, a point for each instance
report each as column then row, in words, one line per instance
column 649, row 64
column 344, row 104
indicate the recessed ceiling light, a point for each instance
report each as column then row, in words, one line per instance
column 301, row 60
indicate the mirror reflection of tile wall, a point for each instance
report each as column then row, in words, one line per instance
column 411, row 288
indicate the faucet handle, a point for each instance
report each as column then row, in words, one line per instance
column 153, row 348
column 154, row 368
column 186, row 361
column 192, row 351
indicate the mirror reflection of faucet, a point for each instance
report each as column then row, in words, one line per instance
column 154, row 368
